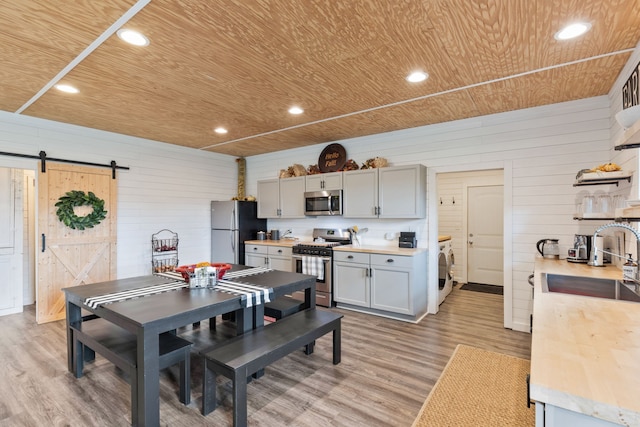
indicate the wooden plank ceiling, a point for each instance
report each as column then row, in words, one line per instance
column 242, row 64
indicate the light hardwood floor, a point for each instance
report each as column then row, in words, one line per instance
column 388, row 368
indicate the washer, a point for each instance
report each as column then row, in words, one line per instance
column 445, row 268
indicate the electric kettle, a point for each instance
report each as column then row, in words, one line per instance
column 548, row 248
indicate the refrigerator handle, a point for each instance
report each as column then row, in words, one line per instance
column 232, row 220
column 233, row 244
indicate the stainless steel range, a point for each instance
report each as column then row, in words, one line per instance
column 316, row 257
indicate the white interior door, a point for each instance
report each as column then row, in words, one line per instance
column 10, row 242
column 485, row 234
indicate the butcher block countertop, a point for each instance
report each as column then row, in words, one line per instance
column 443, row 237
column 386, row 250
column 585, row 351
column 287, row 243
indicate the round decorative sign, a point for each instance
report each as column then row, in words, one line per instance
column 75, row 198
column 332, row 158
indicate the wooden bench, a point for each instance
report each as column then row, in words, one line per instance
column 246, row 354
column 119, row 347
column 282, row 307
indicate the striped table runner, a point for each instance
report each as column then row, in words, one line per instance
column 246, row 290
column 94, row 302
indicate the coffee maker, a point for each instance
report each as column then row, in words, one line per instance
column 581, row 250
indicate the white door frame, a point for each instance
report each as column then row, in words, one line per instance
column 432, row 224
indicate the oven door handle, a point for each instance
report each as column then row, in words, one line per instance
column 326, row 259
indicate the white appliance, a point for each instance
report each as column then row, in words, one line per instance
column 445, row 272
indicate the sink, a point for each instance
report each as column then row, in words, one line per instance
column 590, row 286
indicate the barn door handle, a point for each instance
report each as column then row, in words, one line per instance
column 43, row 242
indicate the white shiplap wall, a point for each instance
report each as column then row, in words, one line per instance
column 167, row 186
column 541, row 149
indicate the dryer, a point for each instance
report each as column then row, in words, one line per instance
column 445, row 268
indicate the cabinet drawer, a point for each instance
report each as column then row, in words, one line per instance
column 358, row 257
column 280, row 251
column 256, row 249
column 392, row 260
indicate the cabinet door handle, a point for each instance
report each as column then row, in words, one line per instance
column 255, row 249
column 349, row 257
column 390, row 260
column 279, row 251
column 528, row 391
column 43, row 242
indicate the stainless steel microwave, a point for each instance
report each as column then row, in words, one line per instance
column 323, row 202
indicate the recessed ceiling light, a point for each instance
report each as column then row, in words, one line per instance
column 572, row 31
column 417, row 76
column 220, row 130
column 66, row 88
column 296, row 110
column 133, row 37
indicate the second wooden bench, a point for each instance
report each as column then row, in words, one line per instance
column 246, row 354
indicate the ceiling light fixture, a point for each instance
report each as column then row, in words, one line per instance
column 296, row 110
column 572, row 31
column 66, row 88
column 417, row 76
column 220, row 130
column 133, row 37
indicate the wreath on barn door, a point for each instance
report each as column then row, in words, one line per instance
column 75, row 198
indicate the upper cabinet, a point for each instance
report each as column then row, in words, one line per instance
column 391, row 192
column 281, row 198
column 324, row 181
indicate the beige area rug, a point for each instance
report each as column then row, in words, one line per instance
column 479, row 388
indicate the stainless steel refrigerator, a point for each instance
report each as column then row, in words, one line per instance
column 233, row 222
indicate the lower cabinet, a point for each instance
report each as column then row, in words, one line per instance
column 274, row 257
column 554, row 416
column 351, row 278
column 380, row 282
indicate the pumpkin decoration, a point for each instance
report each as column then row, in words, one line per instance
column 350, row 165
column 376, row 162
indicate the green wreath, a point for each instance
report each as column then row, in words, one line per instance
column 74, row 198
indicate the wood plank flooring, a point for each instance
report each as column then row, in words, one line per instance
column 388, row 368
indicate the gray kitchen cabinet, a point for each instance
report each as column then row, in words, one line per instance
column 324, row 181
column 270, row 256
column 281, row 198
column 360, row 194
column 392, row 285
column 256, row 256
column 351, row 278
column 391, row 192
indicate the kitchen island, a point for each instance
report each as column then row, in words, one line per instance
column 585, row 353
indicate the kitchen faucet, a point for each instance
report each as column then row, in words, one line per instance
column 595, row 257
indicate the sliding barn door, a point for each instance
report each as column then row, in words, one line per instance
column 67, row 256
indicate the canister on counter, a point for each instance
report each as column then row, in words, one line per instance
column 629, row 270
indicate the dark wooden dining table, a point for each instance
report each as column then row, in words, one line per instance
column 149, row 316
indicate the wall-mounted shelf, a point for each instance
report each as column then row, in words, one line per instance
column 630, row 138
column 579, row 218
column 604, row 180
